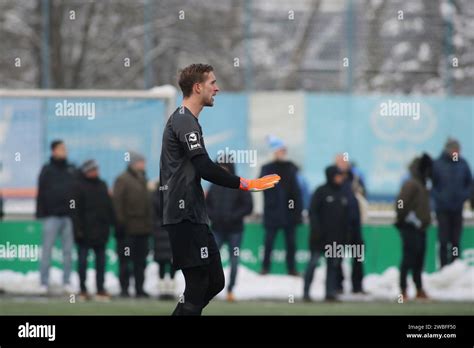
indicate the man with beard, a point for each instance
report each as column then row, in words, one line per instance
column 184, row 161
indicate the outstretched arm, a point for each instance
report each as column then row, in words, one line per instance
column 188, row 133
column 210, row 171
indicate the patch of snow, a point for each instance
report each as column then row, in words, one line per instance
column 454, row 282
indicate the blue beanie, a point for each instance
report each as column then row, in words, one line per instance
column 275, row 143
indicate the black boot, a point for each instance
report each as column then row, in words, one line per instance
column 177, row 310
column 187, row 309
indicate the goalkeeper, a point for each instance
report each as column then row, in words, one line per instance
column 184, row 161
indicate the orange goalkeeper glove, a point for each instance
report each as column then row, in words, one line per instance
column 260, row 184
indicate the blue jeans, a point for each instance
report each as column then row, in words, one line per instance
column 233, row 240
column 52, row 226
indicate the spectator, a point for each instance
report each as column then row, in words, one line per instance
column 226, row 209
column 282, row 205
column 328, row 215
column 354, row 189
column 133, row 210
column 54, row 207
column 451, row 183
column 162, row 254
column 413, row 218
column 94, row 215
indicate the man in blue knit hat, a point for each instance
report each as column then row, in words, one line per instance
column 282, row 205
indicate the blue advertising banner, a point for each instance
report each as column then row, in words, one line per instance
column 21, row 142
column 225, row 128
column 106, row 129
column 382, row 134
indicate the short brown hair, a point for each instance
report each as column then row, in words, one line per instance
column 192, row 74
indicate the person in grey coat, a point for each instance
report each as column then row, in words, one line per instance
column 133, row 210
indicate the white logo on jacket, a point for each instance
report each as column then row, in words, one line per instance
column 193, row 140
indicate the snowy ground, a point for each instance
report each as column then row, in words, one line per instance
column 453, row 283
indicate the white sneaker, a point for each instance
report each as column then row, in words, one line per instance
column 43, row 290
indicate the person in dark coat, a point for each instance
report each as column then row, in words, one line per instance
column 282, row 206
column 54, row 207
column 329, row 216
column 413, row 218
column 162, row 251
column 451, row 184
column 226, row 209
column 351, row 185
column 133, row 209
column 94, row 216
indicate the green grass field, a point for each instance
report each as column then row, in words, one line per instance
column 59, row 306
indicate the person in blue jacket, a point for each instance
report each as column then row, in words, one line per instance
column 451, row 185
column 282, row 206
